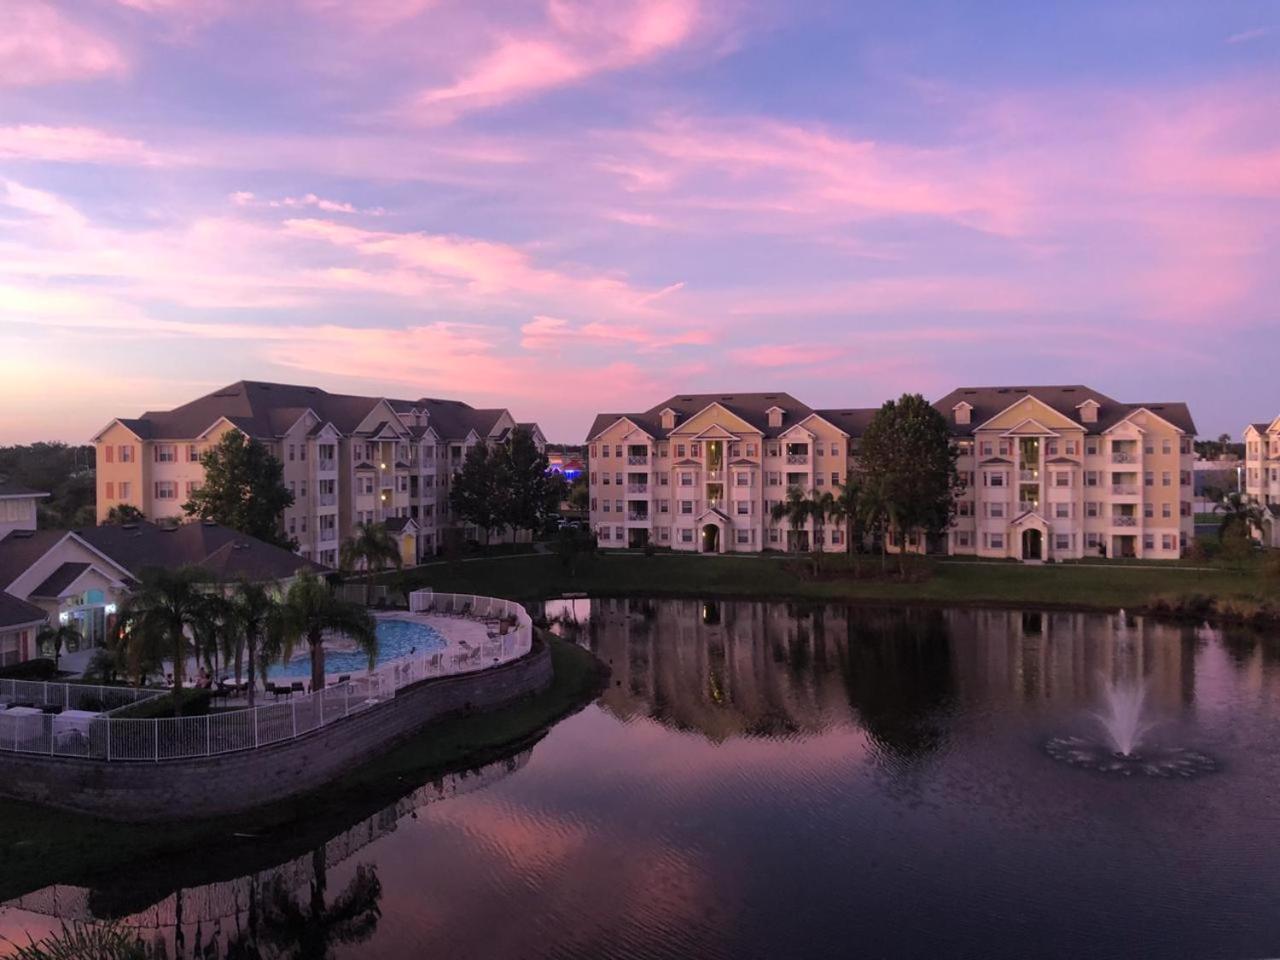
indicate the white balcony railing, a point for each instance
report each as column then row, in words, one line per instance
column 1030, row 476
column 637, row 515
column 637, row 488
column 326, row 499
column 326, row 465
column 638, row 459
column 1124, row 521
column 1025, row 505
column 1124, row 489
column 1120, row 456
column 797, row 459
column 327, row 536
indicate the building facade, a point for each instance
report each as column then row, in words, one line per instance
column 347, row 459
column 1050, row 473
column 1262, row 474
column 18, row 507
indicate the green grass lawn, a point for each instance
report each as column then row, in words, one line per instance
column 1083, row 585
column 136, row 864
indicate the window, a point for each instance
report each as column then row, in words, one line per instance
column 1091, row 448
column 775, row 478
column 1166, row 510
column 1091, row 478
column 1149, row 479
column 664, row 481
column 617, row 506
column 742, row 479
column 617, row 451
column 995, row 510
column 1148, row 448
column 293, row 526
column 996, row 540
column 1148, row 510
column 1166, row 479
column 664, row 533
column 293, row 449
column 302, row 451
column 751, row 449
column 686, row 507
column 192, row 487
column 126, row 453
column 695, row 449
column 605, row 533
column 995, row 479
column 1148, row 541
column 686, row 536
column 1071, row 448
column 735, row 449
column 607, row 478
column 166, row 490
column 593, row 451
column 1062, row 479
column 608, row 505
column 664, row 506
column 742, row 536
column 618, row 534
column 126, row 489
column 110, row 490
column 193, row 453
column 617, row 478
column 1091, row 541
column 773, row 536
column 1091, row 508
column 964, row 508
column 1051, row 448
column 302, row 487
column 744, row 508
column 1166, row 446
column 166, row 453
column 593, row 504
column 986, row 448
column 686, row 479
column 835, row 479
column 110, row 453
column 1062, row 541
column 1062, row 511
column 962, row 539
column 1166, row 541
column 605, row 452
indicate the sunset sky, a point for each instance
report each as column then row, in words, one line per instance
column 565, row 206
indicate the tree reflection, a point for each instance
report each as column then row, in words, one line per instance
column 898, row 676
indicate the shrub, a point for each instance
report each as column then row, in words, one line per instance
column 42, row 668
column 195, row 703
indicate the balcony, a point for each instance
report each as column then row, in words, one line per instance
column 327, row 465
column 327, row 536
column 1027, row 505
column 638, row 488
column 1120, row 456
column 326, row 499
column 638, row 516
column 1029, row 476
column 1124, row 489
column 797, row 459
column 1124, row 521
column 638, row 460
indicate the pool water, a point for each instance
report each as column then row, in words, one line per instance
column 396, row 639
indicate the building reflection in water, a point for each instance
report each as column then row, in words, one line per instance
column 740, row 668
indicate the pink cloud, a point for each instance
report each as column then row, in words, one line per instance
column 579, row 39
column 40, row 45
column 552, row 333
column 78, row 145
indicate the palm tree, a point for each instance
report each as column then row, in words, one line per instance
column 822, row 507
column 255, row 610
column 209, row 630
column 880, row 511
column 57, row 637
column 166, row 604
column 123, row 513
column 310, row 931
column 1238, row 509
column 374, row 548
column 309, row 611
column 795, row 509
column 846, row 508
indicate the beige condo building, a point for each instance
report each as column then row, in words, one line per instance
column 1050, row 473
column 1262, row 474
column 347, row 459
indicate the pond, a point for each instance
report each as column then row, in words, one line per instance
column 765, row 780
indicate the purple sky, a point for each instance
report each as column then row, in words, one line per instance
column 566, row 206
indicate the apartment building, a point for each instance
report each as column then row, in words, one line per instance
column 1065, row 472
column 347, row 459
column 1055, row 472
column 1262, row 474
column 702, row 472
column 18, row 507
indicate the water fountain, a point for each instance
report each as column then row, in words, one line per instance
column 1126, row 750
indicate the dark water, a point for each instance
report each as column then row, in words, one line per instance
column 763, row 780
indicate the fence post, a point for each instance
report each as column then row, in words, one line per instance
column 255, row 727
column 293, row 704
column 208, row 735
column 156, row 739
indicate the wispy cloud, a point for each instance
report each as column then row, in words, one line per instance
column 41, row 45
column 1253, row 33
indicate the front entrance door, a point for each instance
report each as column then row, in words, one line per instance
column 637, row 539
column 1032, row 544
column 710, row 538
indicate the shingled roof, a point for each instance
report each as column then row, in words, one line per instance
column 751, row 407
column 15, row 490
column 268, row 410
column 19, row 613
column 225, row 553
column 987, row 402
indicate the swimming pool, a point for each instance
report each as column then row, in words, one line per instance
column 396, row 639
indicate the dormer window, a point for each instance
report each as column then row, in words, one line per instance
column 1088, row 411
column 668, row 419
column 962, row 412
column 775, row 415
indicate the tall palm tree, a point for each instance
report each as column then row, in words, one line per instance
column 310, row 931
column 795, row 509
column 209, row 630
column 372, row 547
column 255, row 609
column 58, row 637
column 309, row 611
column 166, row 604
column 846, row 508
column 822, row 507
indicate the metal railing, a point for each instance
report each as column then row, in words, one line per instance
column 1120, row 456
column 797, row 458
column 638, row 460
column 326, row 465
column 25, row 728
column 637, row 488
column 1124, row 521
column 1124, row 489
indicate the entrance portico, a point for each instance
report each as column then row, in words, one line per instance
column 1030, row 537
column 712, row 526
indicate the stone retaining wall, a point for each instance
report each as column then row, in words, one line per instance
column 231, row 783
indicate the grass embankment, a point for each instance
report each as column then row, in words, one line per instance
column 133, row 865
column 1095, row 586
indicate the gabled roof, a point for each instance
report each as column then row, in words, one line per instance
column 400, row 524
column 16, row 613
column 750, row 407
column 59, row 580
column 225, row 553
column 988, row 402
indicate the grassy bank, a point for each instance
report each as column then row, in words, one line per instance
column 144, row 862
column 1105, row 586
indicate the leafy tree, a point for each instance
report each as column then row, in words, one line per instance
column 1239, row 510
column 908, row 462
column 532, row 492
column 64, row 472
column 123, row 513
column 373, row 548
column 243, row 489
column 309, row 611
column 477, row 495
column 880, row 513
column 56, row 638
column 166, row 604
column 795, row 510
column 579, row 494
column 573, row 547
